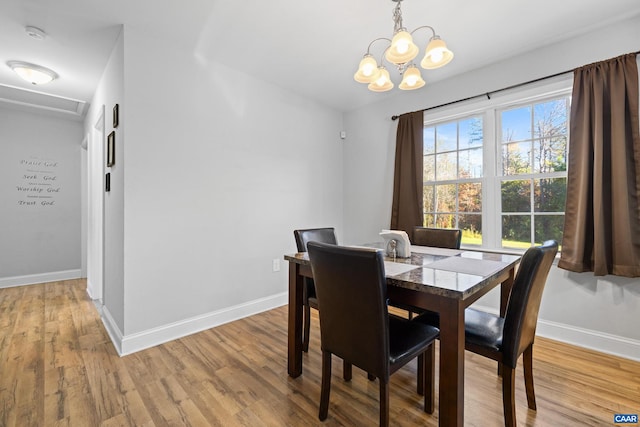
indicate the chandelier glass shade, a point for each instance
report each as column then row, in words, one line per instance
column 400, row 52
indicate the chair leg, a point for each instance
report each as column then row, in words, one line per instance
column 428, row 379
column 347, row 370
column 307, row 328
column 384, row 403
column 420, row 375
column 508, row 396
column 326, row 385
column 527, row 358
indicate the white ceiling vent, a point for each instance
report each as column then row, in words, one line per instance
column 29, row 98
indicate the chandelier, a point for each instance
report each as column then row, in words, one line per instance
column 400, row 52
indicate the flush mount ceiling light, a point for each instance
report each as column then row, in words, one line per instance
column 32, row 73
column 400, row 52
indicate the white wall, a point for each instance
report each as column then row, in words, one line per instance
column 39, row 197
column 219, row 169
column 596, row 312
column 108, row 93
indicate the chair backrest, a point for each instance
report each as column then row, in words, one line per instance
column 437, row 237
column 352, row 294
column 324, row 235
column 524, row 301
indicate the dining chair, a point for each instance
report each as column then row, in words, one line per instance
column 449, row 238
column 504, row 339
column 355, row 324
column 309, row 300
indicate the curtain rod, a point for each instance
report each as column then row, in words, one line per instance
column 488, row 94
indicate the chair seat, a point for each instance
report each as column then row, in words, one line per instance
column 406, row 339
column 483, row 329
column 313, row 302
column 480, row 328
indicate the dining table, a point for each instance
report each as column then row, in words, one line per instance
column 445, row 281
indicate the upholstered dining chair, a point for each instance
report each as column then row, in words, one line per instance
column 447, row 238
column 363, row 333
column 309, row 300
column 504, row 339
column 437, row 237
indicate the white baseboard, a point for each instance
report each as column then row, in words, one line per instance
column 9, row 282
column 112, row 329
column 127, row 344
column 594, row 340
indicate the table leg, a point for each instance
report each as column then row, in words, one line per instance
column 294, row 330
column 451, row 412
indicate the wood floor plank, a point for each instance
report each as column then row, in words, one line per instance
column 59, row 368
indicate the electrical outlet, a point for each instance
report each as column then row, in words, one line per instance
column 276, row 264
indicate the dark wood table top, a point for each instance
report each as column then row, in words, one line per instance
column 456, row 274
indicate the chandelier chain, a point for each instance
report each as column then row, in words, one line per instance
column 397, row 18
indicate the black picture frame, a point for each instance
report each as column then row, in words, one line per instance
column 111, row 149
column 107, row 182
column 116, row 115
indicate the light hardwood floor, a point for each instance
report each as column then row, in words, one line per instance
column 59, row 368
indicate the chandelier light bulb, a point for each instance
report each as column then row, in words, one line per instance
column 411, row 79
column 436, row 54
column 367, row 70
column 402, row 49
column 383, row 82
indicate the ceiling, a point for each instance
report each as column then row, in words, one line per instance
column 311, row 48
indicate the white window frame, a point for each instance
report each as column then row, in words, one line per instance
column 492, row 175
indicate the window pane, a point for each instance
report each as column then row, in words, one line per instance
column 470, row 197
column 470, row 133
column 516, row 231
column 429, row 220
column 471, row 226
column 446, row 198
column 446, row 137
column 548, row 227
column 446, row 167
column 516, row 124
column 550, row 155
column 429, row 165
column 445, row 221
column 429, row 140
column 549, row 195
column 516, row 196
column 470, row 163
column 428, row 200
column 550, row 118
column 516, row 158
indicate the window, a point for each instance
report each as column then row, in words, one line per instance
column 498, row 171
column 534, row 172
column 453, row 177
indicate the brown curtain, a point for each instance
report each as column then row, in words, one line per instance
column 602, row 216
column 406, row 211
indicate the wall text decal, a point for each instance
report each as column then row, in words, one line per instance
column 39, row 184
